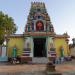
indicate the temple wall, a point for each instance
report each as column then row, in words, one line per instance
column 18, row 42
column 60, row 42
column 72, row 51
column 30, row 41
column 20, row 45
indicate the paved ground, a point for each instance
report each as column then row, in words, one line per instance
column 67, row 68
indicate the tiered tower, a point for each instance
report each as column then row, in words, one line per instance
column 38, row 19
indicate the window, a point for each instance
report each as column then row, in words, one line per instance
column 38, row 10
column 28, row 28
column 40, row 17
column 32, row 26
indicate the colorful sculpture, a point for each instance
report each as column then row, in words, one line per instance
column 14, row 54
column 62, row 51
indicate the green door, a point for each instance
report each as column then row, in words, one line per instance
column 14, row 52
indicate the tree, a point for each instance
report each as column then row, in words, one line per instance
column 7, row 26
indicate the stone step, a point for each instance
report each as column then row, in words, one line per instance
column 42, row 60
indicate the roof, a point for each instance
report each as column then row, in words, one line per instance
column 41, row 34
column 15, row 35
column 62, row 36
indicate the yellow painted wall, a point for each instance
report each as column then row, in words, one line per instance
column 58, row 42
column 19, row 42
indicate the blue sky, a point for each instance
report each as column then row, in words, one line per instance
column 61, row 12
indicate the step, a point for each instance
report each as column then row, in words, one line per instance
column 40, row 60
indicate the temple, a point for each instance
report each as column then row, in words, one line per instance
column 39, row 43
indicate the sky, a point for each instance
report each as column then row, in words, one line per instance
column 61, row 12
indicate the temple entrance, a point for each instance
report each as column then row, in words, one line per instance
column 40, row 51
column 39, row 47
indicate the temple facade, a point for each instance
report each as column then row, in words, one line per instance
column 39, row 43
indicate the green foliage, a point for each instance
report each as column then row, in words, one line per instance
column 7, row 26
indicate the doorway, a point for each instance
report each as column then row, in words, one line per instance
column 39, row 47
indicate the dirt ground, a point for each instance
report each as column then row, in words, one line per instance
column 22, row 68
column 66, row 67
column 35, row 67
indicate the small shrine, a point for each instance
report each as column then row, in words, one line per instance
column 39, row 43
